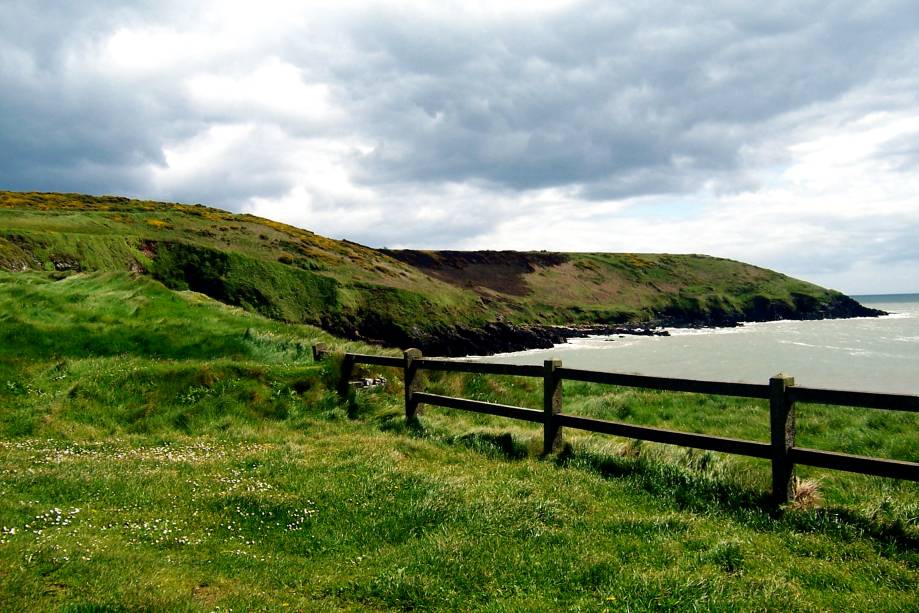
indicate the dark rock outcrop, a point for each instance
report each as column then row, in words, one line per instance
column 491, row 338
column 503, row 337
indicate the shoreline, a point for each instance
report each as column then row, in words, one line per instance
column 676, row 332
column 877, row 355
column 497, row 338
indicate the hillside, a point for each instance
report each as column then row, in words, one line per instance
column 444, row 302
column 160, row 451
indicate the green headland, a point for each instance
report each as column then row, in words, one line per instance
column 446, row 303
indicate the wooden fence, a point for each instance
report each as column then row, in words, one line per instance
column 781, row 392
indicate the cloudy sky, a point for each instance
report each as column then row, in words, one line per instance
column 785, row 134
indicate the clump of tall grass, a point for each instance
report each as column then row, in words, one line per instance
column 806, row 494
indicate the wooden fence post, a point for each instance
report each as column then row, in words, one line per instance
column 551, row 406
column 410, row 370
column 347, row 366
column 319, row 351
column 782, row 430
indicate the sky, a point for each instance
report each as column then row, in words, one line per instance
column 784, row 134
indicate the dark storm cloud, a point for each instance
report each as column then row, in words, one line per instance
column 80, row 138
column 655, row 99
column 64, row 126
column 621, row 101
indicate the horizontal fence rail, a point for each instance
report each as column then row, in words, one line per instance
column 781, row 392
column 895, row 469
column 483, row 368
column 746, row 390
column 865, row 400
column 379, row 360
column 476, row 406
column 671, row 437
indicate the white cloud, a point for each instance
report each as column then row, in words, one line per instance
column 275, row 87
column 153, row 49
column 187, row 160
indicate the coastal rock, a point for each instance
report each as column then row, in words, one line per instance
column 503, row 337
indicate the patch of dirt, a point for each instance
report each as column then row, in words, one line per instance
column 148, row 248
column 501, row 271
column 205, row 594
column 65, row 262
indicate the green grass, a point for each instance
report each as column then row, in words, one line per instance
column 159, row 450
column 885, row 434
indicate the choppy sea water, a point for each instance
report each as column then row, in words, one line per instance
column 870, row 354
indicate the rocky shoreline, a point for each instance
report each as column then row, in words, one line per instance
column 503, row 337
column 500, row 337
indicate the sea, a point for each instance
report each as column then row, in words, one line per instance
column 878, row 354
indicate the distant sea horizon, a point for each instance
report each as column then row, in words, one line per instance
column 898, row 297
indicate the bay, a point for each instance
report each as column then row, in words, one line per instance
column 869, row 354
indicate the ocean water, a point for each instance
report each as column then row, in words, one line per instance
column 867, row 354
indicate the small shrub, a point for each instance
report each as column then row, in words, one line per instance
column 807, row 494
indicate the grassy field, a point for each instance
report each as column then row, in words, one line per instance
column 159, row 450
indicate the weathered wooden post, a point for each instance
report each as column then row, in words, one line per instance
column 347, row 366
column 319, row 351
column 410, row 370
column 782, row 429
column 551, row 406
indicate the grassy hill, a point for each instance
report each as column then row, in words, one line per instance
column 160, row 450
column 443, row 302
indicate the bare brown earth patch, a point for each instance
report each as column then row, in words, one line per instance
column 501, row 271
